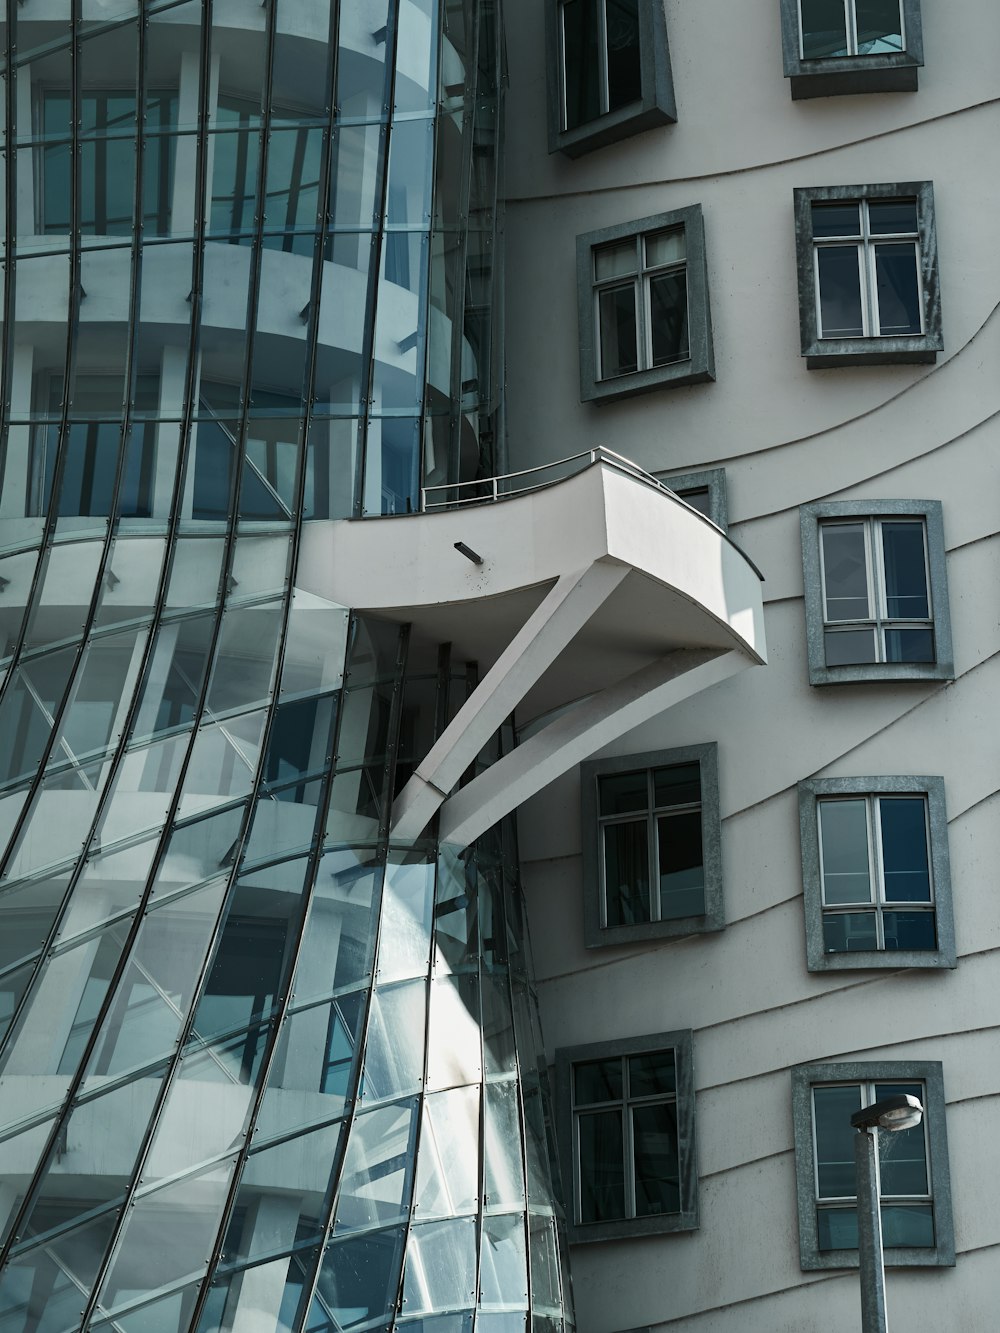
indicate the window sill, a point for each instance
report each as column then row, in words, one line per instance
column 828, row 353
column 877, row 960
column 599, row 937
column 867, row 673
column 612, row 128
column 837, row 76
column 691, row 371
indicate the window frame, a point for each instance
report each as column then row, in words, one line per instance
column 712, row 919
column 871, row 348
column 711, row 480
column 566, row 1058
column 655, row 106
column 831, row 76
column 804, row 1079
column 699, row 365
column 814, row 790
column 811, row 518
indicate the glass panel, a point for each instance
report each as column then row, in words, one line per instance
column 833, row 1107
column 624, row 57
column 897, row 289
column 902, row 1155
column 175, row 675
column 880, row 27
column 244, row 660
column 617, row 320
column 355, row 805
column 909, row 930
column 310, row 1077
column 613, row 261
column 887, row 216
column 843, row 827
column 394, row 1043
column 602, row 1167
column 904, row 849
column 581, row 63
column 273, row 1290
column 656, row 1160
column 837, row 1228
column 199, row 850
column 845, row 932
column 845, row 571
column 623, row 793
column 908, row 1225
column 448, row 1161
column 405, row 931
column 544, row 1263
column 26, row 916
column 19, row 1158
column 339, row 935
column 651, row 1073
column 840, row 312
column 679, row 784
column 848, row 647
column 27, row 712
column 909, row 645
column 374, row 1182
column 836, row 219
column 665, row 247
column 358, row 1281
column 905, row 571
column 440, row 1266
column 626, row 873
column 44, row 1289
column 668, row 317
column 824, row 29
column 223, row 763
column 504, row 1180
column 682, row 875
column 110, row 882
column 503, row 1276
column 101, row 692
column 454, row 1044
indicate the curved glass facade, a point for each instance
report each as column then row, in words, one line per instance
column 260, row 1068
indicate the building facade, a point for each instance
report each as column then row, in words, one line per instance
column 750, row 254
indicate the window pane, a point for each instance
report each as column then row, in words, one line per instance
column 581, row 62
column 657, row 1170
column 624, row 67
column 843, row 827
column 602, row 1167
column 887, row 216
column 597, row 1081
column 909, row 645
column 904, row 849
column 623, row 792
column 668, row 317
column 614, row 261
column 619, row 354
column 836, row 220
column 665, row 247
column 652, row 1073
column 905, row 571
column 911, row 1225
column 626, row 874
column 824, row 29
column 849, row 932
column 846, row 647
column 833, row 1108
column 880, row 28
column 837, row 1228
column 680, row 784
column 845, row 571
column 682, row 876
column 909, row 930
column 840, row 292
column 902, row 1155
column 897, row 289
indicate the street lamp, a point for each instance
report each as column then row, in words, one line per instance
column 901, row 1111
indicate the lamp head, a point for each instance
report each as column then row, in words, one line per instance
column 901, row 1111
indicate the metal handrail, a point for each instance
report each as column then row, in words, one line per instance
column 491, row 489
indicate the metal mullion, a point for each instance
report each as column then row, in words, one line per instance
column 652, row 848
column 602, row 21
column 876, row 866
column 876, row 583
column 851, row 16
column 628, row 1144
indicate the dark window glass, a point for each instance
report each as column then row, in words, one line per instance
column 597, row 1081
column 909, row 930
column 824, row 29
column 652, row 1073
column 677, row 784
column 619, row 349
column 836, row 220
column 626, row 874
column 656, row 1161
column 682, row 878
column 668, row 317
column 845, row 571
column 887, row 216
column 602, row 1167
column 904, row 849
column 848, row 647
column 624, row 65
column 880, row 27
column 833, row 1107
column 909, row 645
column 850, row 932
column 581, row 61
column 840, row 292
column 897, row 289
column 623, row 792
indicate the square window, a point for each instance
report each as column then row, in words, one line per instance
column 876, row 592
column 867, row 271
column 915, row 1190
column 875, row 873
column 851, row 46
column 652, row 863
column 609, row 72
column 704, row 491
column 626, row 1136
column 645, row 323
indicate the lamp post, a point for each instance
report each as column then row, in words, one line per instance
column 893, row 1113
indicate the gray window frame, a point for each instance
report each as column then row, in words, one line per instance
column 686, row 1219
column 712, row 480
column 804, row 1079
column 831, row 76
column 932, row 789
column 700, row 363
column 810, row 518
column 597, row 936
column 656, row 106
column 877, row 349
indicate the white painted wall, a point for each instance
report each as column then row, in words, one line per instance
column 785, row 435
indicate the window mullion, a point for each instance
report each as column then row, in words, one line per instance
column 851, row 25
column 877, row 866
column 603, row 38
column 876, row 584
column 653, row 849
column 628, row 1144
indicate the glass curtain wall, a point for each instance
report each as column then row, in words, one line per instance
column 260, row 1068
